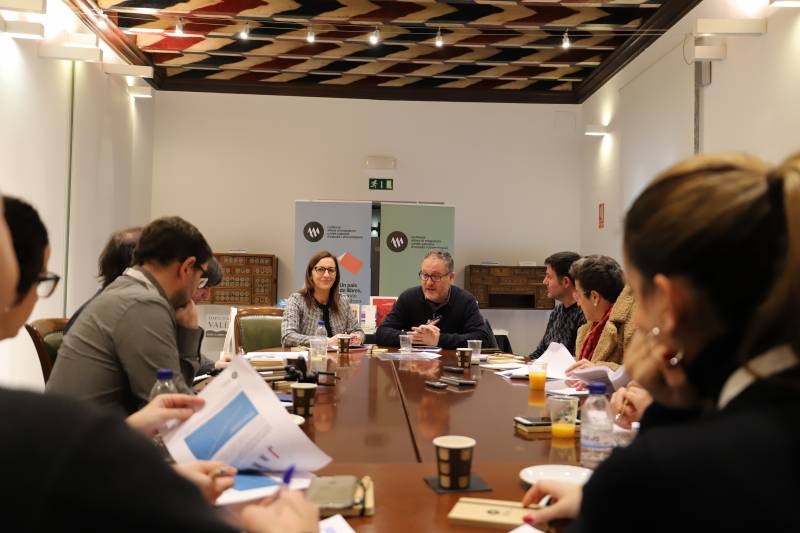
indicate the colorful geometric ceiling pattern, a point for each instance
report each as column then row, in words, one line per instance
column 433, row 50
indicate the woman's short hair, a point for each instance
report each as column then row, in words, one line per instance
column 730, row 225
column 599, row 273
column 30, row 240
column 308, row 290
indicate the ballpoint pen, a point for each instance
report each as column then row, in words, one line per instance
column 287, row 478
column 621, row 409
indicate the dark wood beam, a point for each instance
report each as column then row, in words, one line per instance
column 370, row 93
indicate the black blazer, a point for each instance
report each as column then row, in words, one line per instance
column 460, row 319
column 732, row 470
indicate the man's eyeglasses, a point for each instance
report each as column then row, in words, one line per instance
column 322, row 270
column 436, row 278
column 203, row 277
column 46, row 285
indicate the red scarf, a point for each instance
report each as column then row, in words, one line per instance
column 594, row 336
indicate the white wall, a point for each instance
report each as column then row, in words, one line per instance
column 752, row 102
column 649, row 106
column 110, row 173
column 235, row 164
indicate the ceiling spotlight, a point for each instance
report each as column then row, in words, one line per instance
column 179, row 27
column 565, row 42
column 311, row 36
column 375, row 37
column 245, row 34
column 439, row 41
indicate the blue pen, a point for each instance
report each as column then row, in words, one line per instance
column 287, row 478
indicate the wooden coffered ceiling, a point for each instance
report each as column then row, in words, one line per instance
column 493, row 50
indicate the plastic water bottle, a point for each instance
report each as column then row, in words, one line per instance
column 321, row 331
column 165, row 383
column 597, row 428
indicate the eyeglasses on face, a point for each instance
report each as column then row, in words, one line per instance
column 203, row 276
column 46, row 284
column 436, row 278
column 322, row 270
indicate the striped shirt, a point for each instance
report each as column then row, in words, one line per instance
column 562, row 327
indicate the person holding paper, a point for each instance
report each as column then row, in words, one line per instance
column 724, row 353
column 319, row 300
column 143, row 321
column 77, row 468
column 437, row 313
column 608, row 305
column 567, row 317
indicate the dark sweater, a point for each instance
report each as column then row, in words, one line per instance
column 71, row 467
column 734, row 469
column 460, row 319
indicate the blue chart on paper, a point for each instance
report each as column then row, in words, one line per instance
column 250, row 479
column 206, row 440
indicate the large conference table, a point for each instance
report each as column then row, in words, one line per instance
column 380, row 419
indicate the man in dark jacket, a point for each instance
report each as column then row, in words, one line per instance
column 437, row 313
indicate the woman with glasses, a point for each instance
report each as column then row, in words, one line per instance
column 319, row 300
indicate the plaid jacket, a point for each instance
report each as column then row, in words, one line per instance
column 300, row 321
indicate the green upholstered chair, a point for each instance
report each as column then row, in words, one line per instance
column 47, row 334
column 257, row 328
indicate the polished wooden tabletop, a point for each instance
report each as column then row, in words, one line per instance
column 484, row 412
column 380, row 419
column 361, row 418
column 405, row 503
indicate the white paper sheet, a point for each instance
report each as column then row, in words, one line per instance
column 603, row 374
column 335, row 524
column 244, row 425
column 504, row 366
column 558, row 359
column 561, row 388
column 254, row 486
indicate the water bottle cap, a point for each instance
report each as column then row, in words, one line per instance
column 164, row 374
column 321, row 323
column 597, row 388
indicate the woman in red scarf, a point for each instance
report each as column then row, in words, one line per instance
column 608, row 306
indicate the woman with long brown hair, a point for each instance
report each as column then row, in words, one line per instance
column 319, row 301
column 712, row 250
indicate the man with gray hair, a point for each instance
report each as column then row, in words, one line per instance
column 437, row 313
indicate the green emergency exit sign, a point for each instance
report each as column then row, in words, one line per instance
column 381, row 184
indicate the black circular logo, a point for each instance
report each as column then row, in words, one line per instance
column 397, row 241
column 313, row 231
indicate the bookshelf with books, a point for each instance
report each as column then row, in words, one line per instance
column 248, row 279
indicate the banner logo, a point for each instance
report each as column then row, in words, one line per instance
column 397, row 241
column 313, row 231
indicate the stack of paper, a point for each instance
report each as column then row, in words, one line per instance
column 244, row 425
column 613, row 379
column 558, row 359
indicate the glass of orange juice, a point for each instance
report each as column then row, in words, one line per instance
column 563, row 415
column 537, row 375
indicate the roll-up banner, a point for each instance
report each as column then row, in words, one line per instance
column 342, row 228
column 408, row 231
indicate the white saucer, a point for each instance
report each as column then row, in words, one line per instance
column 297, row 419
column 568, row 473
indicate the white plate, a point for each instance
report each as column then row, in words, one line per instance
column 297, row 419
column 568, row 473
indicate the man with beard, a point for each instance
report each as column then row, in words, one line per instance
column 143, row 321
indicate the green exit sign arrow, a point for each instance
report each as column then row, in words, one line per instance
column 381, row 184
